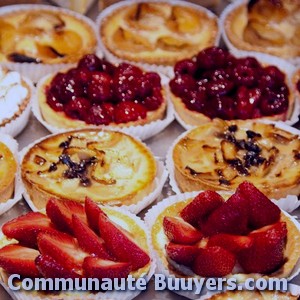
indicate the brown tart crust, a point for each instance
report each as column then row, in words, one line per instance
column 221, row 154
column 157, row 33
column 110, row 167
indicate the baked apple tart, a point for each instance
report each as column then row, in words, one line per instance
column 266, row 26
column 110, row 167
column 221, row 154
column 156, row 32
column 99, row 93
column 44, row 34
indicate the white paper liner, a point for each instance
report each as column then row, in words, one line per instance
column 15, row 126
column 142, row 132
column 151, row 219
column 110, row 295
column 12, row 144
column 159, row 181
column 229, row 44
column 288, row 203
column 167, row 70
column 37, row 71
column 266, row 59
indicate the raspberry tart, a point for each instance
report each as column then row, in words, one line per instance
column 266, row 26
column 202, row 235
column 110, row 167
column 215, row 84
column 221, row 154
column 75, row 241
column 156, row 32
column 97, row 93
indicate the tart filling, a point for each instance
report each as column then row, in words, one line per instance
column 157, row 33
column 62, row 37
column 221, row 154
column 99, row 93
column 265, row 26
column 215, row 84
column 245, row 236
column 109, row 167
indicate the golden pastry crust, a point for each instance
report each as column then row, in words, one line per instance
column 159, row 240
column 63, row 37
column 8, row 169
column 61, row 120
column 157, row 33
column 109, row 167
column 266, row 28
column 205, row 158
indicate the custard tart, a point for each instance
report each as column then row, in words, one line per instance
column 156, row 32
column 221, row 154
column 44, row 35
column 109, row 167
column 267, row 26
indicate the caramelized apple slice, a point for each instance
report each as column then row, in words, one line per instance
column 67, row 42
column 7, row 37
column 187, row 20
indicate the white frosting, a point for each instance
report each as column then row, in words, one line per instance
column 12, row 94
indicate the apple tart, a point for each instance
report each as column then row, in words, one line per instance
column 109, row 167
column 266, row 26
column 156, row 32
column 221, row 154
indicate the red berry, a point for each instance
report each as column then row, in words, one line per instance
column 90, row 62
column 181, row 85
column 195, row 100
column 185, row 66
column 213, row 57
column 53, row 102
column 98, row 115
column 224, row 107
column 251, row 62
column 219, row 87
column 107, row 67
column 100, row 87
column 154, row 101
column 273, row 103
column 244, row 75
column 128, row 111
column 77, row 108
column 247, row 101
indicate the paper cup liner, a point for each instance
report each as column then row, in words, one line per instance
column 14, row 127
column 233, row 48
column 142, row 132
column 166, row 70
column 78, row 295
column 37, row 71
column 13, row 147
column 266, row 59
column 288, row 203
column 159, row 181
column 151, row 219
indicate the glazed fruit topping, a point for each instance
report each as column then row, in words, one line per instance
column 67, row 246
column 95, row 91
column 246, row 229
column 221, row 86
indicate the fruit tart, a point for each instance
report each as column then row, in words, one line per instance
column 43, row 34
column 246, row 236
column 75, row 241
column 254, row 295
column 267, row 26
column 98, row 93
column 159, row 33
column 221, row 154
column 216, row 84
column 110, row 167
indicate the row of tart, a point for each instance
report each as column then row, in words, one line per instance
column 145, row 32
column 212, row 84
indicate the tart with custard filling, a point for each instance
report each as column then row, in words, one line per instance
column 221, row 154
column 110, row 167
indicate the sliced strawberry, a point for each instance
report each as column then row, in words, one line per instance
column 63, row 248
column 232, row 243
column 180, row 232
column 92, row 211
column 182, row 254
column 95, row 267
column 262, row 211
column 60, row 212
column 266, row 254
column 213, row 262
column 50, row 268
column 88, row 239
column 26, row 228
column 231, row 217
column 16, row 259
column 121, row 244
column 201, row 207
